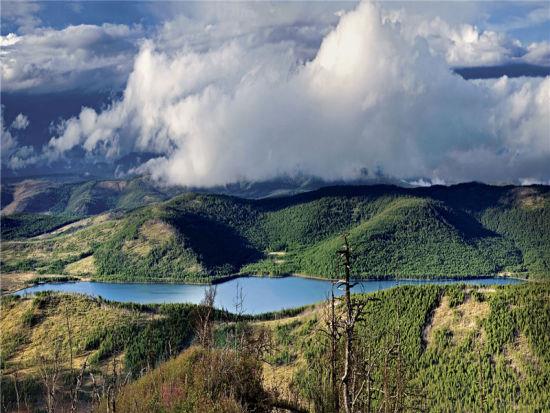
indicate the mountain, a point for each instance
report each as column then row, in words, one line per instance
column 80, row 198
column 81, row 195
column 463, row 230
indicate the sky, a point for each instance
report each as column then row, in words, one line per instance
column 211, row 93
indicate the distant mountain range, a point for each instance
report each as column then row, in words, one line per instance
column 80, row 195
column 462, row 230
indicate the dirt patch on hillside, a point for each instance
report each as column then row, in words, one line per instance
column 461, row 321
column 519, row 356
column 75, row 226
column 157, row 231
column 85, row 266
column 151, row 234
column 118, row 186
column 23, row 193
column 528, row 198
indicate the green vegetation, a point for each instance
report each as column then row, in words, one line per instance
column 29, row 225
column 457, row 353
column 459, row 349
column 465, row 230
column 199, row 380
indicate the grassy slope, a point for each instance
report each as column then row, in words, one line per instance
column 179, row 385
column 464, row 230
column 32, row 327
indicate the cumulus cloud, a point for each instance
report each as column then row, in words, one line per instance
column 84, row 56
column 373, row 98
column 538, row 53
column 22, row 14
column 12, row 155
column 462, row 44
column 20, row 122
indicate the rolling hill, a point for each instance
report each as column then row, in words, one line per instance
column 463, row 230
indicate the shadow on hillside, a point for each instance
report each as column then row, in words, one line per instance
column 220, row 249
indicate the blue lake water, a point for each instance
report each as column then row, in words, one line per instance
column 260, row 294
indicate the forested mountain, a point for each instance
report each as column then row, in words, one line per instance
column 463, row 230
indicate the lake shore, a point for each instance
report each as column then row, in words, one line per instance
column 260, row 294
column 14, row 282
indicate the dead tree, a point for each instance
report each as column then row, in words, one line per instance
column 50, row 370
column 77, row 386
column 239, row 328
column 69, row 336
column 354, row 381
column 16, row 388
column 203, row 327
column 107, row 387
column 332, row 329
column 334, row 336
column 349, row 326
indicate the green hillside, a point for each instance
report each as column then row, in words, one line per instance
column 464, row 230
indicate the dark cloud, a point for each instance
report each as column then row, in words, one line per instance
column 84, row 56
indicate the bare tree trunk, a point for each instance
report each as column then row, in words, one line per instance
column 349, row 327
column 334, row 353
column 50, row 370
column 77, row 386
column 16, row 387
column 70, row 336
column 204, row 319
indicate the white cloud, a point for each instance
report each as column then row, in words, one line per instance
column 373, row 97
column 533, row 181
column 12, row 154
column 463, row 44
column 536, row 16
column 538, row 53
column 49, row 59
column 426, row 182
column 20, row 122
column 22, row 14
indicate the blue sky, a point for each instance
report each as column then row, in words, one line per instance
column 76, row 77
column 512, row 16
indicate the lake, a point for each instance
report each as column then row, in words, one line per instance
column 260, row 294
